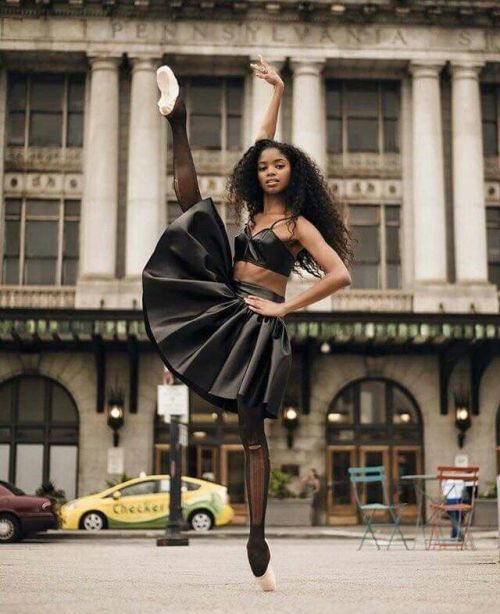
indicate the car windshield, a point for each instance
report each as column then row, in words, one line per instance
column 13, row 489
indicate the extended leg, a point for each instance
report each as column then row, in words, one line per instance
column 185, row 178
column 257, row 470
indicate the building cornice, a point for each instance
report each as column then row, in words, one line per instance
column 484, row 13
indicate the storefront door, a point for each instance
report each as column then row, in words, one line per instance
column 341, row 506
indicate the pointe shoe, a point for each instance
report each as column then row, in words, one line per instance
column 169, row 88
column 267, row 582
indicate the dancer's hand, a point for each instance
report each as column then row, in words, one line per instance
column 265, row 307
column 265, row 71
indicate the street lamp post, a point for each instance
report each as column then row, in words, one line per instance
column 172, row 404
column 173, row 529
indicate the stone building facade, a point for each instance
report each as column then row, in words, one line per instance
column 399, row 104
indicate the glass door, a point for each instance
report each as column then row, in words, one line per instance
column 407, row 460
column 162, row 459
column 207, row 463
column 375, row 456
column 341, row 505
column 233, row 476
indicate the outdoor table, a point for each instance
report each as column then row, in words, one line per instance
column 420, row 495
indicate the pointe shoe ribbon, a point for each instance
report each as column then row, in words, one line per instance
column 169, row 88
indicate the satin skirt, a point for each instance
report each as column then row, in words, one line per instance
column 204, row 331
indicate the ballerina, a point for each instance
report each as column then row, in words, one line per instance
column 216, row 320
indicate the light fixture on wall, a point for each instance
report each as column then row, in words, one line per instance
column 402, row 416
column 290, row 421
column 115, row 412
column 334, row 417
column 462, row 416
column 325, row 347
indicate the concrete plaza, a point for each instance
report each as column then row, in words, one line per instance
column 133, row 575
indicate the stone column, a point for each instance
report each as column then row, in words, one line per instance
column 468, row 175
column 428, row 175
column 308, row 109
column 100, row 188
column 261, row 94
column 144, row 194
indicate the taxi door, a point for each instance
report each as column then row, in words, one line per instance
column 141, row 505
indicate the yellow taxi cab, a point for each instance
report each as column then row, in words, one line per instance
column 144, row 503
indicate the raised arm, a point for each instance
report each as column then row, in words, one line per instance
column 265, row 71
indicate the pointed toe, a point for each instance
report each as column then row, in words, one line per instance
column 267, row 582
column 169, row 88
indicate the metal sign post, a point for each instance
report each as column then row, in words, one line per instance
column 173, row 405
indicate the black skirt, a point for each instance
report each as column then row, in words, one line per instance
column 196, row 317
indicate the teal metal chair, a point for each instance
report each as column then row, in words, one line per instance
column 360, row 477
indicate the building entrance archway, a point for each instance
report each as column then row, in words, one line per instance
column 372, row 422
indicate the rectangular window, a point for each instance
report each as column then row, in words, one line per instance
column 41, row 242
column 4, row 461
column 377, row 261
column 45, row 109
column 362, row 116
column 334, row 116
column 214, row 111
column 392, row 247
column 63, row 468
column 29, row 467
column 490, row 100
column 493, row 234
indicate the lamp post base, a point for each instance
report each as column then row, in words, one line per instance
column 177, row 540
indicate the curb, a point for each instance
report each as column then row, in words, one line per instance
column 277, row 533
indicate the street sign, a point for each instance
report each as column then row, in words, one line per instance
column 173, row 399
column 115, row 460
column 461, row 460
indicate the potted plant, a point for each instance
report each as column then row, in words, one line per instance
column 286, row 507
column 485, row 512
column 56, row 496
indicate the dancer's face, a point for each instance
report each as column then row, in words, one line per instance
column 273, row 170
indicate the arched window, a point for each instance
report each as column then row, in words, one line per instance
column 38, row 434
column 373, row 410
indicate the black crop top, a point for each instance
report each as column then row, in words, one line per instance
column 264, row 249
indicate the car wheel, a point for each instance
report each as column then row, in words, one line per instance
column 93, row 521
column 10, row 529
column 201, row 521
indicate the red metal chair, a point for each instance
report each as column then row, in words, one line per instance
column 457, row 488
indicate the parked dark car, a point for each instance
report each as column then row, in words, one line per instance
column 22, row 515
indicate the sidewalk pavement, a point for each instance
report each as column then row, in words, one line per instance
column 135, row 576
column 285, row 532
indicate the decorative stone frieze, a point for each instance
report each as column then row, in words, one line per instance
column 367, row 190
column 37, row 297
column 210, row 185
column 364, row 164
column 209, row 162
column 492, row 192
column 43, row 184
column 43, row 159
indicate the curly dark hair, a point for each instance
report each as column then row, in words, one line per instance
column 306, row 194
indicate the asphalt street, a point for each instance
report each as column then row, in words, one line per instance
column 133, row 575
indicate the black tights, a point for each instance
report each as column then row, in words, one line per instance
column 257, row 470
column 251, row 421
column 185, row 178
